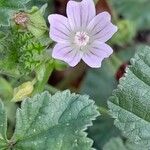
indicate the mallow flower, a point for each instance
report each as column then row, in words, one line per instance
column 82, row 34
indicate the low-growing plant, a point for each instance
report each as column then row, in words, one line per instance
column 47, row 105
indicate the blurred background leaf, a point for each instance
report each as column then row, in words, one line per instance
column 99, row 83
column 134, row 10
column 118, row 144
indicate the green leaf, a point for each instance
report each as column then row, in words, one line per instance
column 20, row 53
column 36, row 24
column 134, row 10
column 3, row 126
column 40, row 3
column 102, row 79
column 8, row 8
column 6, row 90
column 117, row 144
column 130, row 102
column 102, row 130
column 54, row 122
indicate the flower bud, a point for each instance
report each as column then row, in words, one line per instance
column 21, row 18
column 23, row 91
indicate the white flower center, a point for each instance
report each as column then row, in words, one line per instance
column 81, row 39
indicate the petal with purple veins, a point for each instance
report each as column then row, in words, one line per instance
column 96, row 53
column 66, row 53
column 80, row 13
column 101, row 27
column 59, row 28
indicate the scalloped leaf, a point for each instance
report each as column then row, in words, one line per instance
column 54, row 122
column 130, row 103
column 134, row 10
column 8, row 7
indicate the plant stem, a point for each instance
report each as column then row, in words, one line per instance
column 116, row 60
column 40, row 85
column 74, row 74
column 51, row 89
column 114, row 63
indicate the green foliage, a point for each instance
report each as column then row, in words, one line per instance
column 105, row 77
column 40, row 3
column 117, row 144
column 125, row 34
column 130, row 103
column 6, row 90
column 8, row 8
column 102, row 131
column 134, row 10
column 51, row 122
column 20, row 52
column 36, row 24
column 99, row 84
column 3, row 126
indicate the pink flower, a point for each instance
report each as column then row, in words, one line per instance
column 82, row 35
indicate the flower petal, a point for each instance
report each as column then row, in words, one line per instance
column 80, row 13
column 101, row 28
column 59, row 28
column 66, row 53
column 97, row 52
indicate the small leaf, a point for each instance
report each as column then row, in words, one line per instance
column 36, row 24
column 8, row 7
column 54, row 122
column 130, row 103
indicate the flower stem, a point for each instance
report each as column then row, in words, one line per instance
column 73, row 75
column 103, row 111
column 116, row 60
